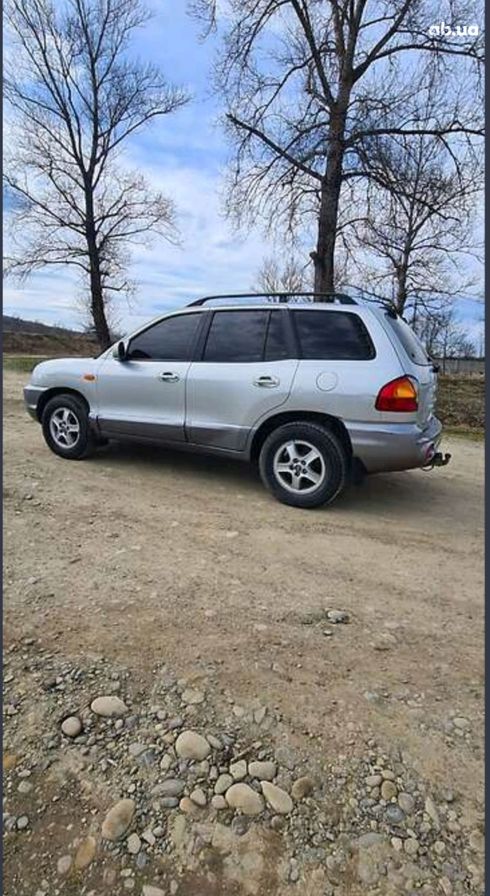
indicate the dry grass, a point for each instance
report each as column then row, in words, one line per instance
column 461, row 403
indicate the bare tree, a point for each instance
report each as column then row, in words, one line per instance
column 290, row 277
column 75, row 97
column 307, row 83
column 419, row 224
column 443, row 336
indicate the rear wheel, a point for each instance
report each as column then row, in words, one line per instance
column 303, row 464
column 66, row 427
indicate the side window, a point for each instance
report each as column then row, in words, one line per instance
column 333, row 336
column 169, row 340
column 276, row 348
column 236, row 336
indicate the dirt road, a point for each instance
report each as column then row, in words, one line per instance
column 172, row 570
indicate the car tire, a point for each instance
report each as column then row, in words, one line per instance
column 66, row 427
column 303, row 464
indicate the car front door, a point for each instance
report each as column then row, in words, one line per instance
column 144, row 395
column 246, row 370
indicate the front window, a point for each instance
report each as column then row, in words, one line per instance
column 171, row 339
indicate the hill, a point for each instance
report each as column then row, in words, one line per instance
column 31, row 337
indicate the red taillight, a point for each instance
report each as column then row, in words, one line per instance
column 398, row 395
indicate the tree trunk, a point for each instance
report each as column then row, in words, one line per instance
column 97, row 305
column 324, row 254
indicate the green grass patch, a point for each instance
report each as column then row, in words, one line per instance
column 22, row 363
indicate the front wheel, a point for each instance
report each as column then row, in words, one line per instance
column 303, row 464
column 66, row 427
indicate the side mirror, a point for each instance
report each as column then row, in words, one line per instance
column 120, row 352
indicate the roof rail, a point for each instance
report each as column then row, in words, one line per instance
column 281, row 297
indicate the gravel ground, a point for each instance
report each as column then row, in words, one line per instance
column 210, row 694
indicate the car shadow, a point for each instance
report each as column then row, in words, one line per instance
column 380, row 494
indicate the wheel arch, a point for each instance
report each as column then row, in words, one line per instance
column 59, row 390
column 334, row 424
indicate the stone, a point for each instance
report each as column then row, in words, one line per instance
column 72, row 726
column 149, row 837
column 238, row 770
column 85, row 853
column 264, row 771
column 302, row 787
column 394, row 814
column 133, row 844
column 199, row 797
column 22, row 823
column 259, row 715
column 108, row 706
column 165, row 762
column 224, row 781
column 191, row 696
column 397, row 843
column 241, row 796
column 440, row 847
column 430, row 808
column 169, row 802
column 24, row 787
column 169, row 787
column 277, row 798
column 186, row 805
column 461, row 723
column 191, row 745
column 152, row 891
column 411, row 846
column 373, row 780
column 337, row 617
column 63, row 865
column 388, row 790
column 118, row 819
column 218, row 802
column 136, row 749
column 406, row 802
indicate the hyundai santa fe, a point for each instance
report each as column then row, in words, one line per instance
column 312, row 391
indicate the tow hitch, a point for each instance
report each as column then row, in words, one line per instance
column 438, row 460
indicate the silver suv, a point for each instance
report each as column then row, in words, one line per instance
column 315, row 392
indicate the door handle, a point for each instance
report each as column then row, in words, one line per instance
column 267, row 381
column 169, row 377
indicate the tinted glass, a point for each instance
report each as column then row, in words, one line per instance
column 236, row 336
column 275, row 343
column 410, row 342
column 169, row 340
column 333, row 336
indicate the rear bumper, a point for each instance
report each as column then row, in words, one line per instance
column 387, row 447
column 32, row 395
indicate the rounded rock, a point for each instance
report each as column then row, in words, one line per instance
column 388, row 790
column 85, row 853
column 133, row 844
column 277, row 798
column 411, row 846
column 263, row 771
column 191, row 745
column 218, row 802
column 238, row 770
column 108, row 706
column 406, row 802
column 302, row 787
column 72, row 726
column 199, row 797
column 224, row 781
column 22, row 823
column 63, row 865
column 241, row 796
column 118, row 819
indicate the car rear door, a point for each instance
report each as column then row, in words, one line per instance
column 144, row 396
column 246, row 370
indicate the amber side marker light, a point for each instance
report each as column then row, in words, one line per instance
column 398, row 395
column 90, row 377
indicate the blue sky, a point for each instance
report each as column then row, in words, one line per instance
column 185, row 155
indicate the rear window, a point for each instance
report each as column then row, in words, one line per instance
column 409, row 340
column 333, row 336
